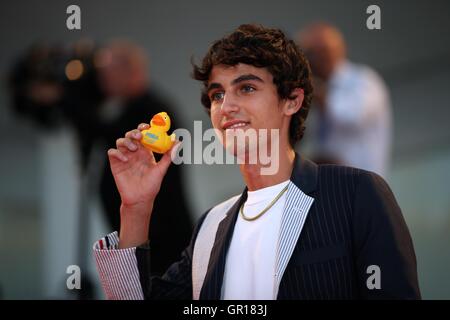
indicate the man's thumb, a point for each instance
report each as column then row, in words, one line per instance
column 165, row 162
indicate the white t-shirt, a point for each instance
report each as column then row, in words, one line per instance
column 250, row 264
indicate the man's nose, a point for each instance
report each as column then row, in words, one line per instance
column 229, row 105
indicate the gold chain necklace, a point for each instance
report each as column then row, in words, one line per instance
column 266, row 209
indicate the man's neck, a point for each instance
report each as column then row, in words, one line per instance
column 252, row 172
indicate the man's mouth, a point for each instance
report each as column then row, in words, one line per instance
column 234, row 124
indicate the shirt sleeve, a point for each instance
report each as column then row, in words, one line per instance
column 358, row 100
column 117, row 269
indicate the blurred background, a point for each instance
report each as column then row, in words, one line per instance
column 57, row 94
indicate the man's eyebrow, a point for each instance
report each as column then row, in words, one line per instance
column 213, row 85
column 239, row 79
column 246, row 77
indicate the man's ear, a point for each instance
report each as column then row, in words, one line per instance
column 293, row 105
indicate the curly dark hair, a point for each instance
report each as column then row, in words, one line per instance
column 262, row 47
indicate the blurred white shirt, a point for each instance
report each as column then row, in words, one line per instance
column 358, row 119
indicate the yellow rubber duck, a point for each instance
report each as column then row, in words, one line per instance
column 155, row 138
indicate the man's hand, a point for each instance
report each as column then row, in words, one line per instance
column 138, row 178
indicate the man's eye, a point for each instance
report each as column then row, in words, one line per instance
column 247, row 88
column 217, row 96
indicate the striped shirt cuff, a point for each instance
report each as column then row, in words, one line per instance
column 118, row 269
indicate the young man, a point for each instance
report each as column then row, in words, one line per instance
column 304, row 232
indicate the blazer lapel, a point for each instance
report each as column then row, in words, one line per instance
column 294, row 216
column 212, row 285
column 298, row 203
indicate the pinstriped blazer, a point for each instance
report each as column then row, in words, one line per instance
column 337, row 222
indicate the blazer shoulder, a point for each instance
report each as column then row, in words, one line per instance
column 331, row 174
column 340, row 169
column 356, row 182
column 348, row 172
column 375, row 205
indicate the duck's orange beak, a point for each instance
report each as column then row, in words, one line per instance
column 158, row 120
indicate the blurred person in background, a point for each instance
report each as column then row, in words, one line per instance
column 352, row 101
column 101, row 92
column 123, row 79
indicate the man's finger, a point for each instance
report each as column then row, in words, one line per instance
column 165, row 162
column 126, row 143
column 114, row 153
column 143, row 126
column 152, row 156
column 134, row 134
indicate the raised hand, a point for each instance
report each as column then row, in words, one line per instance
column 138, row 179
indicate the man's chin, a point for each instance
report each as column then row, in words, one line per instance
column 245, row 154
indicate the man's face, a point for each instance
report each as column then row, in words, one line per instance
column 244, row 97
